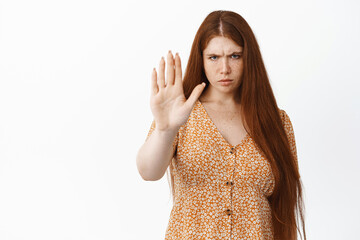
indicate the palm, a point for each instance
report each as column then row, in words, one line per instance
column 168, row 103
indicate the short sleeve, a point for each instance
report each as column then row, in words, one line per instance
column 152, row 128
column 290, row 134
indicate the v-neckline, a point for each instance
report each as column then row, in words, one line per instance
column 219, row 133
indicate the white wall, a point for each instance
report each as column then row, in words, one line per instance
column 74, row 110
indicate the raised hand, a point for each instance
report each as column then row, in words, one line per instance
column 168, row 104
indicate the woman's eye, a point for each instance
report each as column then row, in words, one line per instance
column 236, row 56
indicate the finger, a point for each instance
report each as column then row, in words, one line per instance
column 178, row 72
column 161, row 78
column 170, row 69
column 154, row 86
column 195, row 94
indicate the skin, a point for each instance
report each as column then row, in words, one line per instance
column 171, row 109
column 222, row 60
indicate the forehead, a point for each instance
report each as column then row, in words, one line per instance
column 220, row 44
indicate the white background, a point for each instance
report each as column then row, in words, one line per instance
column 74, row 110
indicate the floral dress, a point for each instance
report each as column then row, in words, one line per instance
column 221, row 190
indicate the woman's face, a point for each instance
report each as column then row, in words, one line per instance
column 223, row 61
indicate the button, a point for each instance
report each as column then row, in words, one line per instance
column 228, row 212
column 232, row 150
column 229, row 183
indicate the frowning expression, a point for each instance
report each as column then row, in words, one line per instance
column 223, row 64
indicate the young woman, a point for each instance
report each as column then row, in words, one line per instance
column 230, row 150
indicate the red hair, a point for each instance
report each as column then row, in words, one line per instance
column 260, row 113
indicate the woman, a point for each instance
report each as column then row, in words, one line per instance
column 230, row 150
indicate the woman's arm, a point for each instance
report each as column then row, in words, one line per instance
column 171, row 110
column 155, row 154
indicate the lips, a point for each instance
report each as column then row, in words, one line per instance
column 225, row 82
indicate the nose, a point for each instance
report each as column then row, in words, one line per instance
column 225, row 67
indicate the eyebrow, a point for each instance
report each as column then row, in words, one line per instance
column 213, row 54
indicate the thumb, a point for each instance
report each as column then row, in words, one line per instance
column 195, row 94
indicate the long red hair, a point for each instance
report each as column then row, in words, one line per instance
column 260, row 113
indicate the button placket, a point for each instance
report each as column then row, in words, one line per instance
column 232, row 167
column 228, row 184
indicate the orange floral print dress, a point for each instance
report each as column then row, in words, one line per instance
column 221, row 190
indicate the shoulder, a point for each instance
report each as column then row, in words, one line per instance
column 284, row 116
column 286, row 122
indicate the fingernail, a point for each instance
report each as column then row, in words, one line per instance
column 169, row 51
column 177, row 53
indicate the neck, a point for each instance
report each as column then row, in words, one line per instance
column 220, row 98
